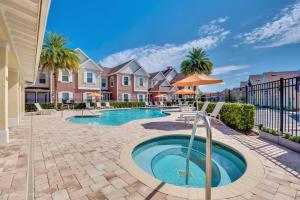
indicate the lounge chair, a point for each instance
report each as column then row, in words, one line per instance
column 107, row 105
column 161, row 103
column 147, row 104
column 88, row 106
column 41, row 111
column 215, row 113
column 98, row 105
column 192, row 113
column 156, row 103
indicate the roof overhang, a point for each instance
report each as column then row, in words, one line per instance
column 24, row 22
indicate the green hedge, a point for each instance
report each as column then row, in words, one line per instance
column 235, row 115
column 127, row 104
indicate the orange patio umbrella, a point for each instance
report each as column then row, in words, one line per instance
column 197, row 80
column 185, row 92
column 95, row 94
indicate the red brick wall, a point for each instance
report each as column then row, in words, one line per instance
column 71, row 87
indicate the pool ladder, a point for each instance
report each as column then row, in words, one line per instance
column 208, row 167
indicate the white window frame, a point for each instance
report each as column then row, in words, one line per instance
column 42, row 73
column 60, row 96
column 143, row 97
column 105, row 80
column 141, row 78
column 69, row 76
column 123, row 97
column 112, row 81
column 123, row 80
column 87, row 78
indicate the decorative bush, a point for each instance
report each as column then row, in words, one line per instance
column 291, row 137
column 127, row 104
column 235, row 115
column 270, row 131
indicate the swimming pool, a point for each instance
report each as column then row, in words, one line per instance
column 118, row 117
column 165, row 159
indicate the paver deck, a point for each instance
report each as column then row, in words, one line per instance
column 73, row 161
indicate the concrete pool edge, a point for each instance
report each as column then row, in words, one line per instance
column 252, row 176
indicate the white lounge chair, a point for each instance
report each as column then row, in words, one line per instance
column 161, row 103
column 88, row 106
column 215, row 113
column 192, row 113
column 107, row 105
column 41, row 111
column 98, row 105
column 147, row 104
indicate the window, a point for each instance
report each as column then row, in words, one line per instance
column 103, row 83
column 42, row 78
column 126, row 97
column 141, row 81
column 88, row 98
column 125, row 80
column 65, row 76
column 112, row 81
column 89, row 77
column 141, row 97
column 65, row 96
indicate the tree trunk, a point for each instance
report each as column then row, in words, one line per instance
column 55, row 88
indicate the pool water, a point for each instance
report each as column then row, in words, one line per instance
column 119, row 116
column 165, row 159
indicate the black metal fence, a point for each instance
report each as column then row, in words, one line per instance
column 277, row 103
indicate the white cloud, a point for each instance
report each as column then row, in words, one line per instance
column 154, row 57
column 228, row 69
column 283, row 29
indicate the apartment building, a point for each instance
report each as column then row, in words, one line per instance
column 72, row 86
column 160, row 85
column 125, row 82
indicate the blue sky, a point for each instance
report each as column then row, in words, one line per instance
column 241, row 37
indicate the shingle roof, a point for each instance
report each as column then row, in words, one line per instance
column 178, row 77
column 118, row 67
column 167, row 71
column 152, row 75
column 275, row 76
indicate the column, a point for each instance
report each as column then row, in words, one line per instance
column 4, row 133
column 13, row 97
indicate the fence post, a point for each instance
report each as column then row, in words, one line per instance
column 246, row 94
column 281, row 104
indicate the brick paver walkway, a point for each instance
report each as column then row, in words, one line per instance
column 73, row 161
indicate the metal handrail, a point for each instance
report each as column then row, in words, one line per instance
column 208, row 167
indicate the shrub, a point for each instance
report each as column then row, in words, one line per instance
column 270, row 131
column 127, row 104
column 291, row 137
column 235, row 115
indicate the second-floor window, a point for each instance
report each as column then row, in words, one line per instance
column 103, row 83
column 141, row 81
column 126, row 80
column 112, row 81
column 42, row 78
column 65, row 76
column 90, row 77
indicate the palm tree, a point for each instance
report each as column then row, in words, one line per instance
column 197, row 62
column 56, row 56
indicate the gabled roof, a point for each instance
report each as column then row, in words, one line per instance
column 275, row 76
column 88, row 59
column 152, row 75
column 158, row 88
column 167, row 71
column 119, row 67
column 178, row 77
